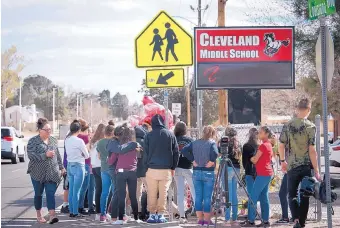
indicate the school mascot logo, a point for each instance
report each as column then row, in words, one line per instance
column 273, row 46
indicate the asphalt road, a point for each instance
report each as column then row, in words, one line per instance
column 17, row 195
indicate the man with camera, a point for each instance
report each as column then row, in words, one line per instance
column 299, row 135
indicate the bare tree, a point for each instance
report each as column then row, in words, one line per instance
column 11, row 65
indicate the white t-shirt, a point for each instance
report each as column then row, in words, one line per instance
column 95, row 161
column 76, row 150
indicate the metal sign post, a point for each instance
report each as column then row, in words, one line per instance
column 318, row 149
column 166, row 104
column 325, row 72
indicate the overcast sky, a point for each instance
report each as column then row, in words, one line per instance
column 89, row 44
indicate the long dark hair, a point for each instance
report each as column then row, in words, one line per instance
column 253, row 137
column 128, row 135
column 75, row 127
column 99, row 134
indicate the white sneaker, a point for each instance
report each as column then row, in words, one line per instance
column 97, row 217
column 131, row 219
column 108, row 217
column 139, row 221
column 183, row 221
column 119, row 222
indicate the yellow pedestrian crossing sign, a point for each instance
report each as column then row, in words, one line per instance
column 165, row 78
column 163, row 43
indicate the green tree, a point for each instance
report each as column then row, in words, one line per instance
column 38, row 90
column 120, row 106
column 11, row 65
column 306, row 40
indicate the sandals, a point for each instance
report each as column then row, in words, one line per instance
column 41, row 219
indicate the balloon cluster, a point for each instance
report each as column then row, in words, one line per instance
column 151, row 108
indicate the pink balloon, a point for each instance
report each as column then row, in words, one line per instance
column 148, row 100
column 134, row 120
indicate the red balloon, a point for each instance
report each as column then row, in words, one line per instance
column 152, row 108
column 148, row 100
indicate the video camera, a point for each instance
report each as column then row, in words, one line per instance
column 224, row 145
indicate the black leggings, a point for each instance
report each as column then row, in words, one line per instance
column 129, row 178
column 98, row 180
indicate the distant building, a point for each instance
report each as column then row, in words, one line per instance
column 29, row 115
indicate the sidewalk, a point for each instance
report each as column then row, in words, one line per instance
column 66, row 222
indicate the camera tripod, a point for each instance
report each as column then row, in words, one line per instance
column 220, row 197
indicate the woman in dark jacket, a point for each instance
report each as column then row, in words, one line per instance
column 141, row 132
column 249, row 150
column 45, row 167
column 183, row 171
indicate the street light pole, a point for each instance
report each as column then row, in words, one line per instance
column 20, row 105
column 91, row 111
column 77, row 106
column 53, row 109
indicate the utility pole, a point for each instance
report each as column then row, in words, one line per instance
column 199, row 92
column 199, row 100
column 222, row 94
column 188, row 99
column 53, row 109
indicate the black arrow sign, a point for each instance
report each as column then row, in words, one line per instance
column 163, row 79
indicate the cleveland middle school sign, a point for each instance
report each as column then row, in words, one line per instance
column 244, row 57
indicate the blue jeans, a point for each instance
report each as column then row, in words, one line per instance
column 204, row 185
column 249, row 183
column 107, row 184
column 232, row 185
column 85, row 187
column 259, row 192
column 50, row 189
column 76, row 175
column 283, row 194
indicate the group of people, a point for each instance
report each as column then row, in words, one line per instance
column 118, row 163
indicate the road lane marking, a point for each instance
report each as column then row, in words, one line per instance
column 15, row 225
column 16, row 220
column 16, row 170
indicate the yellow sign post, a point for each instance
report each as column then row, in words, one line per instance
column 163, row 43
column 165, row 78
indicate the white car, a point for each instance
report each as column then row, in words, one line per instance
column 335, row 156
column 12, row 145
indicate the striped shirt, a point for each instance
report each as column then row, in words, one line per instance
column 40, row 167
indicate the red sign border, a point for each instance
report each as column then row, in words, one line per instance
column 292, row 86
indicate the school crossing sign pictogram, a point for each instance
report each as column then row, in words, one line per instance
column 163, row 43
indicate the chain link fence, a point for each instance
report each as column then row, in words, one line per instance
column 275, row 206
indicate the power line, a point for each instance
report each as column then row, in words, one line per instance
column 208, row 11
